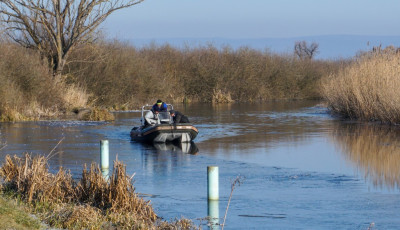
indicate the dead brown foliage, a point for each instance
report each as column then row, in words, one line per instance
column 368, row 89
column 30, row 177
column 177, row 224
column 93, row 202
column 119, row 76
column 97, row 114
column 29, row 91
column 122, row 76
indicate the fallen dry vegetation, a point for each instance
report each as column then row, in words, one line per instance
column 93, row 202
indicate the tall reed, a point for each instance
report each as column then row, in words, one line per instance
column 368, row 89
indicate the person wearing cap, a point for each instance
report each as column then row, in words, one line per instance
column 160, row 106
column 178, row 117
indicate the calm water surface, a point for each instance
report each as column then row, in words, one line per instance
column 302, row 168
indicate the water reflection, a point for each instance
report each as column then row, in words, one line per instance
column 213, row 214
column 164, row 158
column 375, row 149
column 249, row 127
column 284, row 148
column 186, row 148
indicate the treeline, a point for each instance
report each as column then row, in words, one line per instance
column 117, row 75
column 120, row 74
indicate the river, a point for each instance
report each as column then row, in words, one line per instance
column 300, row 167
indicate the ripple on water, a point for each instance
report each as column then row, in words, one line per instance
column 70, row 123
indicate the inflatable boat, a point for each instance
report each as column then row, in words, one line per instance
column 164, row 131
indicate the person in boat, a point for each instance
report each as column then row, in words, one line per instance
column 178, row 117
column 151, row 118
column 160, row 106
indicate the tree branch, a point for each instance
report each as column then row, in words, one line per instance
column 54, row 27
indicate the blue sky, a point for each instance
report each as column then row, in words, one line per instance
column 239, row 19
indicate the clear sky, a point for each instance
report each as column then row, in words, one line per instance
column 240, row 19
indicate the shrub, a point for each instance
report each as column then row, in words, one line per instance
column 29, row 91
column 116, row 75
column 119, row 75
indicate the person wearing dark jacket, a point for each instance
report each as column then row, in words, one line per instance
column 178, row 117
column 160, row 106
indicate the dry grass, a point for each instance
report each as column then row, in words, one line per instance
column 94, row 202
column 30, row 177
column 368, row 89
column 237, row 182
column 220, row 97
column 75, row 96
column 176, row 224
column 97, row 114
column 28, row 90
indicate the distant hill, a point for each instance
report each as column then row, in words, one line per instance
column 330, row 46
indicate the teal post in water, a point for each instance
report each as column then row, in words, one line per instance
column 212, row 183
column 104, row 155
column 213, row 197
column 213, row 214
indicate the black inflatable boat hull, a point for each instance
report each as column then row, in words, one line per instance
column 165, row 133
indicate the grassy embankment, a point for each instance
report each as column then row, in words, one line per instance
column 91, row 203
column 368, row 89
column 114, row 75
column 14, row 216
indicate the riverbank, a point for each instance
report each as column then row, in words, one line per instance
column 94, row 202
column 116, row 76
column 112, row 75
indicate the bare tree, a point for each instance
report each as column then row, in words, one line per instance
column 55, row 27
column 303, row 50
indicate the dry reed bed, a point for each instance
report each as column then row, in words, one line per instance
column 368, row 89
column 93, row 202
column 374, row 149
column 29, row 91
